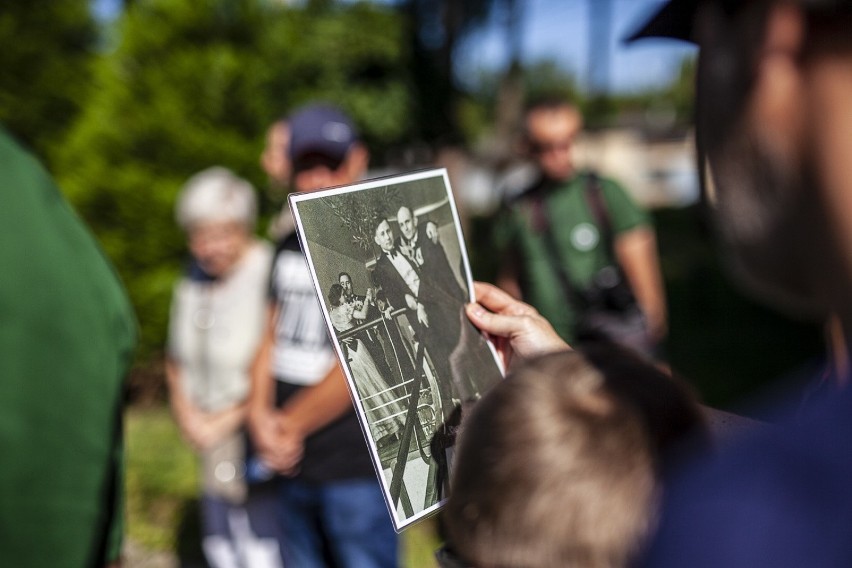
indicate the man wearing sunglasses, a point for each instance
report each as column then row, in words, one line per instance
column 571, row 232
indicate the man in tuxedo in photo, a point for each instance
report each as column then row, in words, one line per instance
column 420, row 243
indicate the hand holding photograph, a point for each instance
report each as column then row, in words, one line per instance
column 389, row 264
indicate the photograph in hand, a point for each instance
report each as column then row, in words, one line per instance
column 388, row 261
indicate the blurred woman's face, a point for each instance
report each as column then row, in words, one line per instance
column 218, row 245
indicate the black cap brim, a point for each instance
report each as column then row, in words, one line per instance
column 674, row 20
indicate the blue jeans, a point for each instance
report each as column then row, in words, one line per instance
column 338, row 523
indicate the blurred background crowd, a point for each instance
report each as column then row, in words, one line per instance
column 124, row 100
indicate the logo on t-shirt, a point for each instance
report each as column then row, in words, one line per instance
column 303, row 352
column 585, row 237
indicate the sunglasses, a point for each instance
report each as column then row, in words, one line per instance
column 541, row 148
column 316, row 159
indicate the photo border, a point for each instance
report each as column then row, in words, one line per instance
column 295, row 199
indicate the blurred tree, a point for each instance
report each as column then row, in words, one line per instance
column 437, row 30
column 510, row 93
column 663, row 111
column 194, row 83
column 546, row 78
column 44, row 68
column 482, row 106
column 682, row 91
column 351, row 54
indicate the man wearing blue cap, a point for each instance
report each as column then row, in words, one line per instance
column 301, row 414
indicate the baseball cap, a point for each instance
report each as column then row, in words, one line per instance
column 675, row 19
column 323, row 130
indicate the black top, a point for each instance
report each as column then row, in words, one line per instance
column 338, row 451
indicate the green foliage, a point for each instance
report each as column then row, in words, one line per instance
column 351, row 55
column 682, row 91
column 438, row 28
column 475, row 117
column 44, row 68
column 361, row 217
column 544, row 78
column 191, row 84
column 669, row 107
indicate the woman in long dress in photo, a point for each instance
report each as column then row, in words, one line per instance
column 385, row 414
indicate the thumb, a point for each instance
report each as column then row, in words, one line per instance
column 495, row 324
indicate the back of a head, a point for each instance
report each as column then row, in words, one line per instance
column 334, row 294
column 668, row 406
column 548, row 108
column 552, row 469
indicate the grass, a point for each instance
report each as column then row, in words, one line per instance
column 162, row 485
column 162, row 489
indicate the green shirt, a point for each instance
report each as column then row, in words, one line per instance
column 582, row 249
column 67, row 334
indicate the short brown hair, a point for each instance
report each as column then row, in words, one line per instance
column 557, row 466
column 548, row 104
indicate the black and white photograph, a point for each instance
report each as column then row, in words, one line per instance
column 389, row 265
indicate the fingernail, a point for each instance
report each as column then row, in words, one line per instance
column 475, row 310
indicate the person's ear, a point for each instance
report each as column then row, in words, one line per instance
column 777, row 106
column 524, row 148
column 356, row 162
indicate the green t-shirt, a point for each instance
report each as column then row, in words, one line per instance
column 67, row 334
column 582, row 248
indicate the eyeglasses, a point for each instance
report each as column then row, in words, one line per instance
column 315, row 160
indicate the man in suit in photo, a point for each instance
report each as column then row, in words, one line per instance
column 403, row 286
column 419, row 242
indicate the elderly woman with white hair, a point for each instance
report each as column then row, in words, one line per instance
column 216, row 323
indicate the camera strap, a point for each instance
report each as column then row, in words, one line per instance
column 593, row 193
